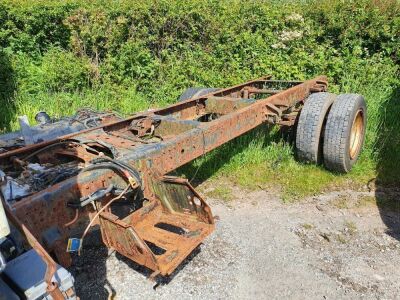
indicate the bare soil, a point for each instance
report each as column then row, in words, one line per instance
column 333, row 246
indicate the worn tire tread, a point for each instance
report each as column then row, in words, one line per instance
column 337, row 132
column 310, row 126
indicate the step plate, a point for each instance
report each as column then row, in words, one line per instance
column 160, row 241
column 171, row 237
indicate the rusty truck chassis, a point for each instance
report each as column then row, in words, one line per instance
column 162, row 218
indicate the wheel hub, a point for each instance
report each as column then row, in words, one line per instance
column 356, row 135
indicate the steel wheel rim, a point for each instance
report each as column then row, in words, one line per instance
column 356, row 134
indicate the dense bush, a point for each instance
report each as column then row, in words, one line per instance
column 114, row 54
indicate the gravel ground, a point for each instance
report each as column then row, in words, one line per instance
column 334, row 246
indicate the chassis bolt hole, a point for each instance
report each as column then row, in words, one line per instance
column 197, row 201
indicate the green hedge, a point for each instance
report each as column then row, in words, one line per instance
column 130, row 55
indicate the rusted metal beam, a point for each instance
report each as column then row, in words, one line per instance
column 169, row 218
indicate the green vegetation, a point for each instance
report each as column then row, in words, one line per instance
column 221, row 192
column 133, row 55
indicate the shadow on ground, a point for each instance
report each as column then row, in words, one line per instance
column 387, row 182
column 90, row 269
column 7, row 92
column 205, row 167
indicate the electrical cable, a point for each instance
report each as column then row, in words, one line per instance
column 97, row 215
column 117, row 165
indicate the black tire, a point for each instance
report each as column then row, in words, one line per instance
column 310, row 126
column 344, row 132
column 195, row 92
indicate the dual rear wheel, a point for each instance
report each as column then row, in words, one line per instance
column 331, row 130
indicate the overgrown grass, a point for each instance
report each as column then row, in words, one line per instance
column 221, row 192
column 262, row 160
column 129, row 56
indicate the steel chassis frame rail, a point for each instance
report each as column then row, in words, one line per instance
column 170, row 219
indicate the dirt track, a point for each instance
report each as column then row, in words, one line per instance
column 334, row 246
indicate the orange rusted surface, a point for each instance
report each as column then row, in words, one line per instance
column 161, row 219
column 51, row 266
